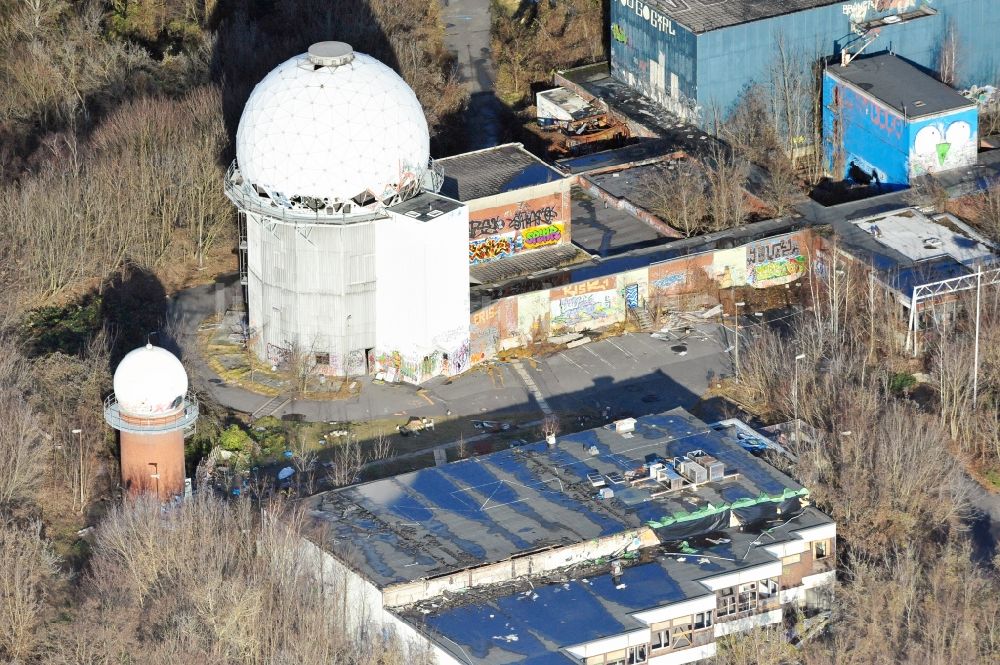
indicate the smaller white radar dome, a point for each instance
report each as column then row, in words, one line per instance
column 150, row 381
column 333, row 127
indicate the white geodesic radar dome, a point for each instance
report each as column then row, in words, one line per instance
column 150, row 381
column 330, row 126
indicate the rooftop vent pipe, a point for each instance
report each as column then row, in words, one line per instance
column 330, row 54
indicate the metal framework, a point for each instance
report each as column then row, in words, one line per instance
column 923, row 292
column 186, row 419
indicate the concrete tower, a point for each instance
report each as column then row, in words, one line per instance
column 153, row 411
column 352, row 263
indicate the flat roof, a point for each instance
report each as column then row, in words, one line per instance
column 704, row 15
column 425, row 206
column 487, row 509
column 607, row 231
column 576, row 106
column 900, row 85
column 909, row 248
column 517, row 623
column 482, row 173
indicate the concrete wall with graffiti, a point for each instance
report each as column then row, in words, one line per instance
column 605, row 301
column 501, row 229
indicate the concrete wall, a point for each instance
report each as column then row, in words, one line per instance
column 604, row 301
column 303, row 281
column 519, row 221
column 422, row 297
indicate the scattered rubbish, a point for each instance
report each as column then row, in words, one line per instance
column 679, row 349
column 287, row 472
column 621, row 586
column 491, row 425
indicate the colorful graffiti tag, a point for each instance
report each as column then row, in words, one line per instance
column 774, row 262
column 581, row 288
column 489, row 249
column 540, row 236
column 670, row 281
column 522, row 217
column 587, row 310
column 632, row 296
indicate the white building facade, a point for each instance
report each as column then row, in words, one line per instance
column 351, row 265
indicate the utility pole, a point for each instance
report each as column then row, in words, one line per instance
column 795, row 396
column 975, row 361
column 79, row 445
column 738, row 305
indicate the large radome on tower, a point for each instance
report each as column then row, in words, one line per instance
column 331, row 126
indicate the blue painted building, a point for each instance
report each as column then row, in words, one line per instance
column 885, row 122
column 692, row 55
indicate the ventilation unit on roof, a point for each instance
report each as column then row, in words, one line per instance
column 716, row 469
column 693, row 471
column 669, row 476
column 625, row 425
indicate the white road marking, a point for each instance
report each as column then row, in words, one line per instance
column 532, row 388
column 599, row 357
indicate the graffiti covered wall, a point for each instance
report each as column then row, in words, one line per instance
column 502, row 231
column 598, row 303
column 944, row 142
column 775, row 261
column 593, row 304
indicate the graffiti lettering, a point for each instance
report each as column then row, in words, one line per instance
column 774, row 262
column 632, row 296
column 541, row 236
column 771, row 250
column 523, row 218
column 593, row 286
column 485, row 227
column 671, row 280
column 489, row 249
column 589, row 308
column 655, row 18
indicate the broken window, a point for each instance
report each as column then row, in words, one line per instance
column 322, row 358
column 637, row 654
column 661, row 639
column 821, row 549
column 702, row 620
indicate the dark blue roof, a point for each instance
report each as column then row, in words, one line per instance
column 535, row 623
column 493, row 171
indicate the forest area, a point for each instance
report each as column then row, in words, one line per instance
column 117, row 121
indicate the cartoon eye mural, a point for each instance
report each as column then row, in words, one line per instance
column 932, row 143
column 927, row 141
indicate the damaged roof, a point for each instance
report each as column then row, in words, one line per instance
column 518, row 623
column 487, row 509
column 482, row 173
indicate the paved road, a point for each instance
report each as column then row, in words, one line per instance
column 467, row 35
column 632, row 374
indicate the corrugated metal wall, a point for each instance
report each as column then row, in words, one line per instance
column 727, row 60
column 652, row 54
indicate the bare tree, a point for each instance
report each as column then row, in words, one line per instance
column 679, row 197
column 727, row 175
column 27, row 569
